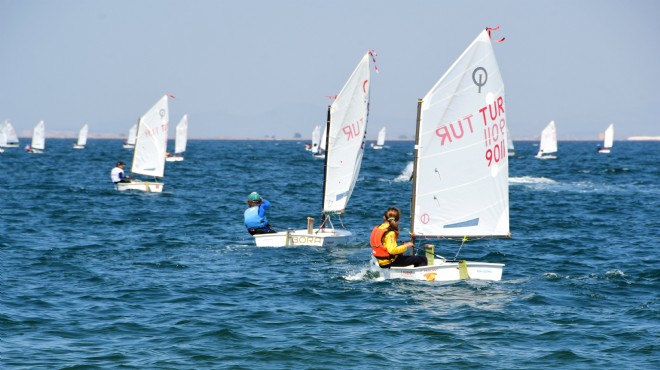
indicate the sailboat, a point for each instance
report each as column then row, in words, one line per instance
column 608, row 141
column 316, row 140
column 3, row 141
column 82, row 138
column 10, row 135
column 38, row 139
column 180, row 140
column 511, row 151
column 132, row 136
column 150, row 147
column 346, row 128
column 380, row 142
column 548, row 145
column 320, row 153
column 460, row 171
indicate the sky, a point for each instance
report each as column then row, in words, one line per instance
column 255, row 69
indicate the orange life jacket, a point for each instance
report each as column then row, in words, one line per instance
column 376, row 240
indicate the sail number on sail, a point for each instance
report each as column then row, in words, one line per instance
column 153, row 131
column 494, row 126
column 353, row 130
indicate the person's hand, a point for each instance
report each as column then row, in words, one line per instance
column 410, row 244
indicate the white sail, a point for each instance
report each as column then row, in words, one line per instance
column 509, row 141
column 82, row 136
column 609, row 137
column 132, row 135
column 324, row 137
column 181, row 138
column 316, row 139
column 39, row 136
column 10, row 134
column 461, row 166
column 151, row 141
column 3, row 137
column 348, row 126
column 548, row 139
column 381, row 137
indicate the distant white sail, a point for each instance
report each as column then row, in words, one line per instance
column 348, row 126
column 509, row 141
column 381, row 137
column 324, row 137
column 609, row 137
column 3, row 138
column 82, row 136
column 10, row 134
column 548, row 143
column 461, row 171
column 132, row 135
column 151, row 140
column 181, row 138
column 39, row 136
column 316, row 140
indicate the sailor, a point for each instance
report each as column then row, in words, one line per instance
column 117, row 173
column 255, row 216
column 384, row 245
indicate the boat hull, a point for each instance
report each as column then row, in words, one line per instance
column 76, row 146
column 299, row 238
column 174, row 158
column 146, row 186
column 441, row 270
column 36, row 151
column 129, row 146
column 604, row 150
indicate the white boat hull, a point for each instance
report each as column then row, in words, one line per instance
column 441, row 270
column 295, row 238
column 11, row 145
column 174, row 158
column 76, row 146
column 129, row 146
column 36, row 151
column 147, row 186
column 604, row 150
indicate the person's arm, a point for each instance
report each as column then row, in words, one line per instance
column 390, row 244
column 263, row 207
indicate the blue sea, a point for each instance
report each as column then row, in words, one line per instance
column 91, row 278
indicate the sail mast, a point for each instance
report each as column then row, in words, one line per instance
column 325, row 166
column 414, row 180
column 137, row 129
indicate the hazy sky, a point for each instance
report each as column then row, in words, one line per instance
column 263, row 68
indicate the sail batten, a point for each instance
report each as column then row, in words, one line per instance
column 346, row 134
column 461, row 169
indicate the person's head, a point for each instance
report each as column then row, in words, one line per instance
column 392, row 216
column 254, row 198
column 120, row 164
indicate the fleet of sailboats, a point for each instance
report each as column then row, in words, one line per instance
column 608, row 140
column 180, row 140
column 460, row 174
column 346, row 130
column 548, row 144
column 150, row 148
column 380, row 141
column 82, row 138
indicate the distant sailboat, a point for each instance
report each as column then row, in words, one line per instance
column 346, row 129
column 608, row 141
column 150, row 147
column 460, row 175
column 511, row 150
column 380, row 142
column 132, row 136
column 316, row 140
column 82, row 138
column 3, row 141
column 548, row 145
column 320, row 153
column 180, row 140
column 38, row 139
column 10, row 135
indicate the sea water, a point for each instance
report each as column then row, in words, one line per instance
column 94, row 278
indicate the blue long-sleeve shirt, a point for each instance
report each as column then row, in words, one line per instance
column 255, row 216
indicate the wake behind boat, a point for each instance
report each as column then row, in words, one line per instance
column 150, row 147
column 460, row 174
column 346, row 130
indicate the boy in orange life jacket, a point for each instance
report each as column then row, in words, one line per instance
column 384, row 245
